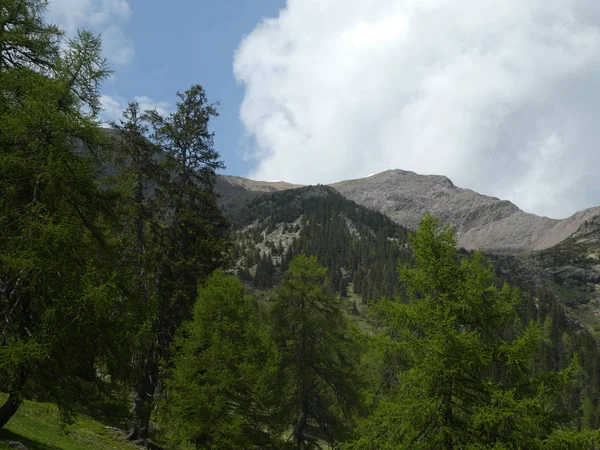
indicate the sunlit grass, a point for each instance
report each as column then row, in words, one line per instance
column 37, row 426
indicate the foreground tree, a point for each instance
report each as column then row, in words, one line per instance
column 456, row 366
column 219, row 392
column 318, row 360
column 191, row 241
column 61, row 313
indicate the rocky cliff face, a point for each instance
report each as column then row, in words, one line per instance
column 480, row 221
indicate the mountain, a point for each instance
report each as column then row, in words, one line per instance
column 480, row 221
column 360, row 247
column 527, row 250
column 258, row 186
column 235, row 192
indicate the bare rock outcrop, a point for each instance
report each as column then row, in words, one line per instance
column 480, row 221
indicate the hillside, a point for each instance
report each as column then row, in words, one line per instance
column 566, row 260
column 360, row 247
column 259, row 186
column 37, row 426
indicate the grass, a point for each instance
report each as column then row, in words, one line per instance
column 37, row 426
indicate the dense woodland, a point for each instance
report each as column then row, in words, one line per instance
column 122, row 283
column 358, row 246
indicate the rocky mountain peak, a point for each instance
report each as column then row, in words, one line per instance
column 480, row 221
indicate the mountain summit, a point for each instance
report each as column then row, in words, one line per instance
column 480, row 221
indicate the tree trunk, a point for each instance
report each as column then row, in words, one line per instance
column 10, row 407
column 300, row 431
column 142, row 404
column 448, row 419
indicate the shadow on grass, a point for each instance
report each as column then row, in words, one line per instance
column 112, row 414
column 6, row 436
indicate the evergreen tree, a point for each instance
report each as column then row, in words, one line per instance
column 451, row 375
column 219, row 392
column 142, row 176
column 26, row 39
column 193, row 240
column 319, row 384
column 62, row 312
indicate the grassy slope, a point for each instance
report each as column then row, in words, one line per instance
column 36, row 425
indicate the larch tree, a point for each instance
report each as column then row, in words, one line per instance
column 455, row 363
column 61, row 312
column 319, row 385
column 219, row 392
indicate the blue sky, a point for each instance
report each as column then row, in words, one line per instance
column 180, row 43
column 500, row 96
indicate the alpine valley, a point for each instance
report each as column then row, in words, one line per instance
column 148, row 302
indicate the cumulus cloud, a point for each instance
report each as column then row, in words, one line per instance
column 113, row 106
column 502, row 97
column 108, row 17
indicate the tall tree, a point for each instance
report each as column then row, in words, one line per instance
column 193, row 240
column 140, row 173
column 456, row 372
column 60, row 310
column 220, row 390
column 319, row 384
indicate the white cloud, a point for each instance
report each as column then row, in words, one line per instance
column 113, row 106
column 108, row 17
column 502, row 97
column 146, row 103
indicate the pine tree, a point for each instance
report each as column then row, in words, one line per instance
column 451, row 376
column 63, row 313
column 318, row 361
column 193, row 241
column 219, row 392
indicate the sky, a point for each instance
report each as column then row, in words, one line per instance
column 501, row 97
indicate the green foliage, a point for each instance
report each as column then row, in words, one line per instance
column 218, row 394
column 26, row 40
column 62, row 311
column 176, row 234
column 318, row 357
column 456, row 372
column 356, row 245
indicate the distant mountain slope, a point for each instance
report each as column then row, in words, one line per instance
column 235, row 192
column 259, row 186
column 360, row 247
column 480, row 221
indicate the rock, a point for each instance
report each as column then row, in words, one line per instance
column 577, row 274
column 480, row 221
column 16, row 445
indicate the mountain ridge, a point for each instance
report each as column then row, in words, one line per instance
column 480, row 221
